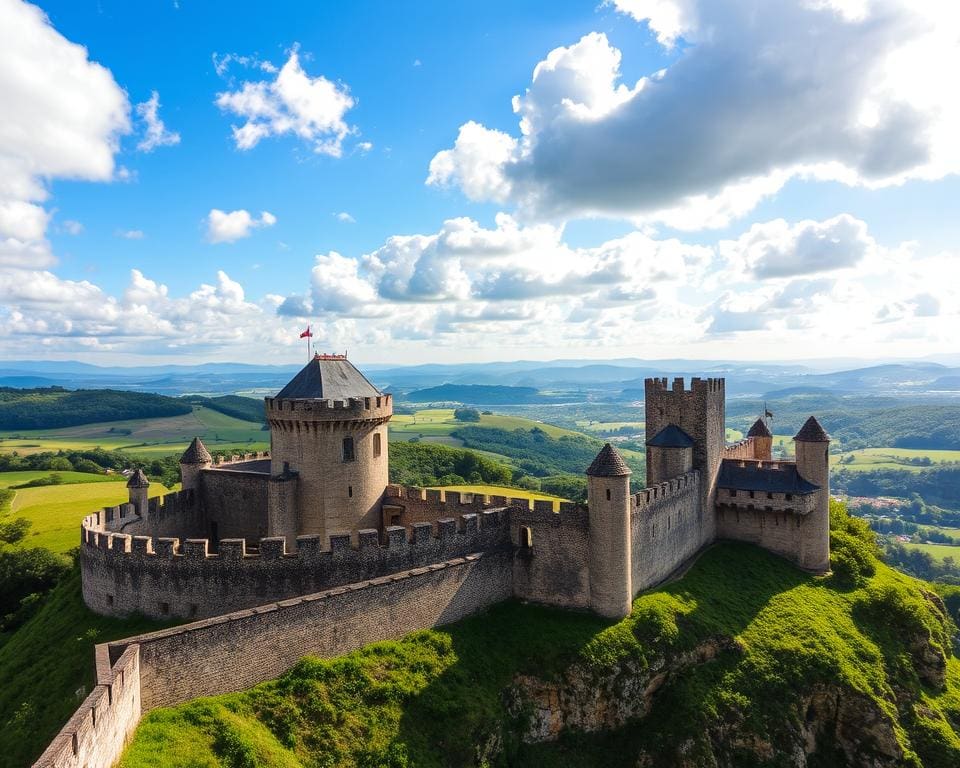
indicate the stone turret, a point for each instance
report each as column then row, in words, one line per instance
column 608, row 499
column 195, row 458
column 669, row 454
column 813, row 465
column 138, row 487
column 328, row 438
column 762, row 441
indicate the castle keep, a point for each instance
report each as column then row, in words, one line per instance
column 309, row 550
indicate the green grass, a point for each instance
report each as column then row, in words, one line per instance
column 18, row 478
column 869, row 459
column 149, row 437
column 47, row 669
column 434, row 422
column 55, row 511
column 502, row 490
column 937, row 551
column 438, row 697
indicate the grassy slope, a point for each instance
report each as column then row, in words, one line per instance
column 69, row 478
column 56, row 510
column 47, row 668
column 164, row 435
column 433, row 697
column 937, row 551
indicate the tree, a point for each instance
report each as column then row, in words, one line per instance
column 466, row 414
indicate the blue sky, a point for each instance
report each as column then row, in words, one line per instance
column 673, row 178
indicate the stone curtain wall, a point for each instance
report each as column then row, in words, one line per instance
column 668, row 528
column 238, row 650
column 236, row 501
column 555, row 568
column 96, row 734
column 163, row 577
column 742, row 449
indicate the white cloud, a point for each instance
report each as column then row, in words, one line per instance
column 223, row 227
column 155, row 132
column 345, row 217
column 764, row 92
column 72, row 227
column 311, row 108
column 130, row 234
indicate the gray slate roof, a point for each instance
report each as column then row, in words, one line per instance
column 197, row 453
column 754, row 476
column 759, row 429
column 608, row 463
column 330, row 378
column 138, row 479
column 671, row 436
column 812, row 432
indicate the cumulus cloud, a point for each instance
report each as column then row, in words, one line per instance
column 311, row 108
column 130, row 234
column 763, row 92
column 72, row 227
column 779, row 249
column 224, row 227
column 345, row 217
column 155, row 132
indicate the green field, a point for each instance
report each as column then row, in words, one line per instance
column 937, row 551
column 867, row 459
column 590, row 426
column 55, row 511
column 150, row 437
column 501, row 490
column 433, row 424
column 8, row 479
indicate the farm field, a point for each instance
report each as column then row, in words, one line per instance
column 590, row 426
column 867, row 459
column 69, row 478
column 937, row 551
column 152, row 437
column 430, row 424
column 56, row 510
column 499, row 490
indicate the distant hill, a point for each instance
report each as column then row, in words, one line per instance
column 477, row 394
column 246, row 408
column 53, row 407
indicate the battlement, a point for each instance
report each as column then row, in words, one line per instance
column 441, row 500
column 654, row 386
column 308, row 409
column 240, row 458
column 669, row 489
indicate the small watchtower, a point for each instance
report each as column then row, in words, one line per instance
column 812, row 445
column 608, row 502
column 138, row 489
column 328, row 450
column 762, row 441
column 195, row 458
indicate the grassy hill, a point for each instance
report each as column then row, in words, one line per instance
column 751, row 660
column 51, row 407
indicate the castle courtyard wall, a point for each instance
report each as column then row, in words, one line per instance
column 235, row 501
column 668, row 528
column 165, row 577
column 555, row 568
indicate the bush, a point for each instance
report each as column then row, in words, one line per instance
column 466, row 414
column 26, row 575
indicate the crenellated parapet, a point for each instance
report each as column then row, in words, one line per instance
column 663, row 492
column 161, row 576
column 405, row 505
column 314, row 415
column 741, row 449
column 240, row 458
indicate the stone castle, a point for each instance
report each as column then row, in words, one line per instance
column 309, row 549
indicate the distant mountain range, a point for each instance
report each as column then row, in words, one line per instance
column 608, row 377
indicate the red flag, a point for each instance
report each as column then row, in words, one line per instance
column 307, row 333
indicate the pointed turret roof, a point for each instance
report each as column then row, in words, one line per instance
column 608, row 463
column 138, row 479
column 328, row 377
column 812, row 432
column 759, row 429
column 671, row 436
column 197, row 453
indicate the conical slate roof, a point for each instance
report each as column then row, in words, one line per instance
column 812, row 432
column 329, row 377
column 138, row 479
column 608, row 463
column 759, row 429
column 197, row 453
column 671, row 436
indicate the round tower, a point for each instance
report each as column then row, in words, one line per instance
column 813, row 465
column 328, row 429
column 762, row 441
column 138, row 489
column 608, row 502
column 195, row 458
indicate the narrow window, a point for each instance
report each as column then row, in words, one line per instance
column 350, row 491
column 109, row 599
column 751, row 494
column 733, row 492
column 165, row 609
column 769, row 495
column 376, row 445
column 394, row 519
column 193, row 609
column 789, row 497
column 348, row 454
column 608, row 494
column 526, row 537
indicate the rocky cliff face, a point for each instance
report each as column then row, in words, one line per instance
column 825, row 721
